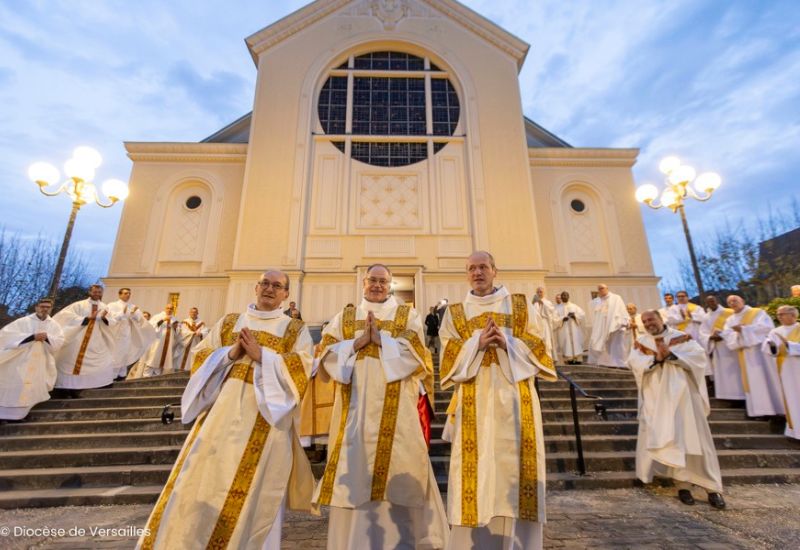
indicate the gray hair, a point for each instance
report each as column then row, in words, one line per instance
column 789, row 309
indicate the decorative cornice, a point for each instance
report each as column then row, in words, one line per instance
column 293, row 23
column 589, row 157
column 186, row 152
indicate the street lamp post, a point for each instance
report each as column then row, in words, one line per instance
column 680, row 184
column 80, row 171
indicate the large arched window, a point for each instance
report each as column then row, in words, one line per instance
column 388, row 108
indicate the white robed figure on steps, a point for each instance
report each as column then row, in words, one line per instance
column 496, row 484
column 609, row 329
column 85, row 359
column 378, row 481
column 674, row 438
column 160, row 358
column 724, row 362
column 27, row 361
column 570, row 319
column 782, row 349
column 190, row 332
column 133, row 335
column 544, row 317
column 242, row 464
column 744, row 333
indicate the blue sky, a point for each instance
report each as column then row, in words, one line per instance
column 716, row 82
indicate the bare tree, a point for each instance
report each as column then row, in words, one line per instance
column 26, row 269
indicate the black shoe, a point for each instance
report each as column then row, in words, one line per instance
column 685, row 496
column 716, row 501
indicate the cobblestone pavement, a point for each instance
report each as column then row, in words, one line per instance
column 758, row 516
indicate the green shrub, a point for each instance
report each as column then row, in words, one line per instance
column 772, row 307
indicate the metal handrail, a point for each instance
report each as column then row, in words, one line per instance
column 573, row 389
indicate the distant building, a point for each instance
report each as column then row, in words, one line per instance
column 778, row 266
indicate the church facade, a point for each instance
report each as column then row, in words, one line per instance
column 382, row 131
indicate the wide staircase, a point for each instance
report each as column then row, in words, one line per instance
column 110, row 446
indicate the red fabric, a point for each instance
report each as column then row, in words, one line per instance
column 425, row 417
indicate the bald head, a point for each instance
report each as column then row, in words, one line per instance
column 602, row 290
column 271, row 290
column 736, row 303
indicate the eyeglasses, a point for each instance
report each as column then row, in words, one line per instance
column 374, row 281
column 275, row 286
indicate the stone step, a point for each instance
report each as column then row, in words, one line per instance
column 166, row 379
column 74, row 427
column 53, row 415
column 170, row 435
column 84, row 457
column 126, row 391
column 147, row 494
column 610, row 403
column 111, row 402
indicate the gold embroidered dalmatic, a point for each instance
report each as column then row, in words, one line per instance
column 236, row 467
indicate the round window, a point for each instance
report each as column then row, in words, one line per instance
column 577, row 205
column 193, row 202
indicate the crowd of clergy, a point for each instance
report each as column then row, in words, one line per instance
column 259, row 383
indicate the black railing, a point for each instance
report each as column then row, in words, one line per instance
column 599, row 408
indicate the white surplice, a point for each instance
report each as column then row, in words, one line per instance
column 634, row 329
column 133, row 335
column 674, row 438
column 378, row 481
column 27, row 367
column 609, row 323
column 86, row 358
column 686, row 318
column 544, row 318
column 569, row 333
column 762, row 385
column 190, row 333
column 496, row 485
column 724, row 363
column 160, row 358
column 786, row 361
column 242, row 463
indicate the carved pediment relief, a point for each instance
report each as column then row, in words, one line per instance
column 389, row 12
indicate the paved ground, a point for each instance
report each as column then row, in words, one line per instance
column 758, row 516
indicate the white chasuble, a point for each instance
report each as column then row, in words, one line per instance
column 724, row 363
column 133, row 335
column 609, row 324
column 760, row 380
column 569, row 331
column 496, row 485
column 86, row 358
column 784, row 355
column 27, row 367
column 378, row 470
column 242, row 462
column 686, row 318
column 544, row 320
column 674, row 437
column 160, row 358
column 190, row 333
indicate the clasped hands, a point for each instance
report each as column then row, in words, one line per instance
column 662, row 351
column 371, row 334
column 246, row 344
column 492, row 336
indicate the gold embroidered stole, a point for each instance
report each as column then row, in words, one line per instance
column 747, row 318
column 165, row 349
column 783, row 351
column 690, row 308
column 719, row 322
column 76, row 370
column 193, row 327
column 391, row 403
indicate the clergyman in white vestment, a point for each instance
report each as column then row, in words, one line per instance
column 609, row 324
column 544, row 318
column 190, row 332
column 724, row 362
column 570, row 319
column 782, row 349
column 85, row 359
column 496, row 485
column 242, row 463
column 669, row 300
column 133, row 335
column 674, row 437
column 27, row 361
column 635, row 327
column 378, row 481
column 744, row 333
column 160, row 358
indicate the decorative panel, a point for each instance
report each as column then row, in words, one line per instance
column 389, row 247
column 388, row 201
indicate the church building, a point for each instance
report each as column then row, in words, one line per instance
column 383, row 131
